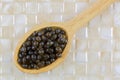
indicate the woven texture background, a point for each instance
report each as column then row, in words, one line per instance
column 95, row 51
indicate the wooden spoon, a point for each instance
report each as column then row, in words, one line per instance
column 70, row 27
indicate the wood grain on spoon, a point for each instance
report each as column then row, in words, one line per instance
column 70, row 27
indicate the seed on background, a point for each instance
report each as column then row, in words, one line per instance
column 42, row 48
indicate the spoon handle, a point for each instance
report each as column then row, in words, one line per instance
column 87, row 15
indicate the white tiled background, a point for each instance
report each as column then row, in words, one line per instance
column 95, row 51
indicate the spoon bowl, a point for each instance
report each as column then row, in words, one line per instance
column 56, row 62
column 69, row 27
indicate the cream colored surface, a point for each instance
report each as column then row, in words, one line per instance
column 75, row 23
column 95, row 52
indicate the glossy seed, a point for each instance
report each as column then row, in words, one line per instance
column 39, row 57
column 56, row 44
column 41, row 64
column 32, row 65
column 23, row 49
column 52, row 55
column 48, row 34
column 38, row 39
column 62, row 46
column 58, row 30
column 33, row 57
column 33, row 47
column 24, row 66
column 20, row 55
column 35, row 43
column 28, row 48
column 23, row 53
column 19, row 61
column 41, row 43
column 28, row 57
column 58, row 49
column 54, row 37
column 28, row 43
column 30, row 52
column 44, row 38
column 58, row 55
column 41, row 52
column 49, row 50
column 47, row 62
column 45, row 57
column 52, row 60
column 48, row 29
column 24, row 60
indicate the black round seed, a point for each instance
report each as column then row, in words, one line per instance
column 24, row 65
column 28, row 57
column 33, row 39
column 33, row 47
column 49, row 43
column 57, row 30
column 37, row 61
column 41, row 64
column 48, row 34
column 41, row 52
column 24, row 60
column 23, row 49
column 28, row 48
column 48, row 29
column 34, row 33
column 58, row 55
column 63, row 32
column 47, row 62
column 30, row 52
column 41, row 44
column 44, row 38
column 38, row 39
column 56, row 44
column 19, row 60
column 35, row 66
column 52, row 60
column 62, row 46
column 23, row 53
column 29, row 38
column 58, row 49
column 33, row 57
column 39, row 57
column 35, row 43
column 54, row 37
column 49, row 50
column 28, row 43
column 46, row 56
column 52, row 55
column 32, row 65
column 40, row 33
column 53, row 32
column 20, row 55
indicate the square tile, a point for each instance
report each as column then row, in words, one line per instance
column 20, row 19
column 31, row 8
column 7, row 32
column 93, row 56
column 7, row 7
column 106, row 33
column 6, row 20
column 81, row 57
column 19, row 8
column 116, row 69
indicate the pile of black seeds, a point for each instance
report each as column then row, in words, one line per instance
column 42, row 48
